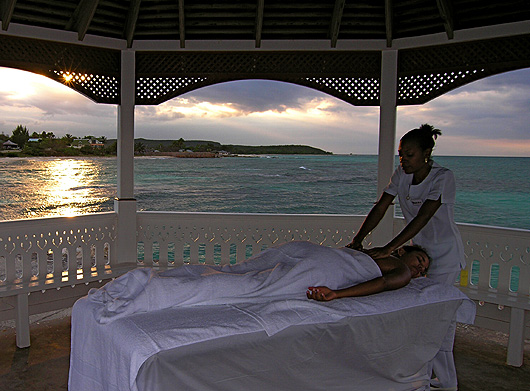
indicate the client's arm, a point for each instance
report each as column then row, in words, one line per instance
column 395, row 274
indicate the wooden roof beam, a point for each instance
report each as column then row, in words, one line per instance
column 182, row 26
column 83, row 14
column 336, row 20
column 8, row 7
column 130, row 22
column 259, row 21
column 389, row 20
column 445, row 7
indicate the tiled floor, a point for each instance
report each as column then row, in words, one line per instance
column 479, row 355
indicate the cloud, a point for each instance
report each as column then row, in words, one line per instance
column 249, row 96
column 489, row 116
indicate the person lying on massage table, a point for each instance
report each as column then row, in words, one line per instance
column 277, row 273
column 397, row 270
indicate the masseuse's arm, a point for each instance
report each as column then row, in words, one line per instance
column 395, row 275
column 427, row 210
column 372, row 220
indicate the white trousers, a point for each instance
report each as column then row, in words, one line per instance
column 443, row 364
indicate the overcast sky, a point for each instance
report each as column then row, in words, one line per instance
column 490, row 117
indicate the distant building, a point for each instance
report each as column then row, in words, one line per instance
column 10, row 145
column 92, row 142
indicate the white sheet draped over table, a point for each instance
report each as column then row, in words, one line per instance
column 116, row 328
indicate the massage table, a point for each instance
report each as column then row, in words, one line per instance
column 377, row 342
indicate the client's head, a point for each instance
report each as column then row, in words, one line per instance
column 416, row 258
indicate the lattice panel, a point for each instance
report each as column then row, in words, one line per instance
column 358, row 91
column 425, row 73
column 422, row 88
column 155, row 90
column 265, row 64
column 351, row 76
column 106, row 89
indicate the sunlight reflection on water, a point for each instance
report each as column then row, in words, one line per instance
column 55, row 187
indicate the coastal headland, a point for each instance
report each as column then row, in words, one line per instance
column 91, row 146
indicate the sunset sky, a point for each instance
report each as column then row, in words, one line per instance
column 490, row 117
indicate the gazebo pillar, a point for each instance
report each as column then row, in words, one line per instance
column 125, row 203
column 387, row 135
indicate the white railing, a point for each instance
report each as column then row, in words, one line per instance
column 172, row 238
column 39, row 254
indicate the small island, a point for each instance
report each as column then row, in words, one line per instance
column 23, row 144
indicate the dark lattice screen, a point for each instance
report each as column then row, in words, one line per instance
column 422, row 88
column 353, row 76
column 364, row 91
column 106, row 89
column 426, row 73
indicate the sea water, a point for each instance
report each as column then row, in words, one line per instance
column 490, row 190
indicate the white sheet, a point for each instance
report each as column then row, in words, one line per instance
column 364, row 353
column 107, row 355
column 276, row 273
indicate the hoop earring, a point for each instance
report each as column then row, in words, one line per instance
column 426, row 160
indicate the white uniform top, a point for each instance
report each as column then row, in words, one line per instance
column 440, row 236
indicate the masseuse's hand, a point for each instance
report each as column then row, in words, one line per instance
column 379, row 252
column 356, row 244
column 320, row 293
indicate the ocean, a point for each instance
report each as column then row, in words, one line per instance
column 490, row 190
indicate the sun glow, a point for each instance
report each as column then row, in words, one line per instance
column 19, row 85
column 67, row 188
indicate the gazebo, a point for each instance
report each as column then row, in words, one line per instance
column 10, row 145
column 385, row 53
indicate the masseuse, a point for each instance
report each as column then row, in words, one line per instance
column 426, row 193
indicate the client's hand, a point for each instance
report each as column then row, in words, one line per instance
column 320, row 293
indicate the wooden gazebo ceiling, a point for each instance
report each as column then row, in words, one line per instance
column 258, row 20
column 354, row 76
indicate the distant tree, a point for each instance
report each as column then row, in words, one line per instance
column 68, row 138
column 139, row 148
column 20, row 135
column 47, row 135
column 180, row 144
column 87, row 150
column 3, row 137
column 112, row 149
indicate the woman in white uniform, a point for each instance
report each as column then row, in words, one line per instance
column 426, row 193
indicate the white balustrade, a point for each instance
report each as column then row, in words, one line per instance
column 45, row 253
column 172, row 238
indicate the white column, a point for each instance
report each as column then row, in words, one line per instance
column 387, row 135
column 125, row 203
